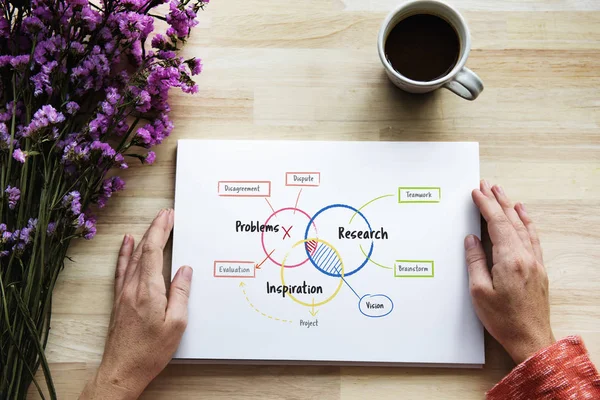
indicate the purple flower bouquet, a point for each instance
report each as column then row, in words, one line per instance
column 83, row 89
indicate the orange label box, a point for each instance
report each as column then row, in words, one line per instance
column 234, row 269
column 302, row 178
column 244, row 188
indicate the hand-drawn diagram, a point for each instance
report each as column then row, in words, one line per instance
column 319, row 252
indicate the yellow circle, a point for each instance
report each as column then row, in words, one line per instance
column 341, row 274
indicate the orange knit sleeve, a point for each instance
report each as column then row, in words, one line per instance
column 561, row 371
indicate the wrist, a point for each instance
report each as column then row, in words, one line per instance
column 108, row 384
column 521, row 350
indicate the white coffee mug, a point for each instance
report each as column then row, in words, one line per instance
column 461, row 80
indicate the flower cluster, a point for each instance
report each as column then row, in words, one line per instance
column 83, row 89
column 97, row 91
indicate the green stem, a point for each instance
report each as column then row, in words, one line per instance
column 12, row 129
column 35, row 339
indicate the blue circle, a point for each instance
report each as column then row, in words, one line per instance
column 308, row 229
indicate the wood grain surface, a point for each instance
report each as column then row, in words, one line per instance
column 309, row 70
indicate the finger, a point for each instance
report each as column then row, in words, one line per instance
column 137, row 254
column 123, row 262
column 501, row 231
column 151, row 260
column 512, row 215
column 480, row 279
column 179, row 295
column 486, row 188
column 533, row 235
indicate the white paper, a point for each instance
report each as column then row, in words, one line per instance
column 406, row 301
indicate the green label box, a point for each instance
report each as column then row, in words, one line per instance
column 414, row 269
column 422, row 194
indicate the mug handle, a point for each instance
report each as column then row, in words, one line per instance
column 466, row 84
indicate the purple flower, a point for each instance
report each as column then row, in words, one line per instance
column 134, row 4
column 144, row 134
column 136, row 52
column 150, row 157
column 77, row 47
column 180, row 19
column 159, row 42
column 72, row 201
column 5, row 60
column 143, row 100
column 19, row 155
column 91, row 17
column 91, row 72
column 4, row 253
column 85, row 226
column 118, row 184
column 107, row 108
column 33, row 25
column 41, row 80
column 18, row 248
column 120, row 160
column 4, row 136
column 134, row 26
column 43, row 118
column 10, row 106
column 112, row 95
column 166, row 54
column 6, row 237
column 195, row 65
column 49, row 49
column 72, row 107
column 26, row 235
column 104, row 149
column 98, row 125
column 14, row 194
column 75, row 3
column 80, row 220
column 19, row 62
column 51, row 230
column 189, row 88
column 110, row 186
column 89, row 230
column 74, row 153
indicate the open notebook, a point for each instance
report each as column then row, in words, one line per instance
column 327, row 252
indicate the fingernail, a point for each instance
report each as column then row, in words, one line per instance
column 486, row 184
column 161, row 212
column 500, row 190
column 125, row 239
column 523, row 209
column 187, row 273
column 470, row 242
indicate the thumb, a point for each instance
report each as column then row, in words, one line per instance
column 480, row 279
column 179, row 294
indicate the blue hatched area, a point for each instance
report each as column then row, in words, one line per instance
column 321, row 256
column 336, row 268
column 329, row 262
column 319, row 251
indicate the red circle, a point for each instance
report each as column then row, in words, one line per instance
column 262, row 236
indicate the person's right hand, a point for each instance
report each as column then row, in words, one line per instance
column 511, row 300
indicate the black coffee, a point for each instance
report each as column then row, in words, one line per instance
column 423, row 47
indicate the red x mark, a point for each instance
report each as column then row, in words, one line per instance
column 287, row 231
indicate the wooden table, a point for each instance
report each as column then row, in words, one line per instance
column 281, row 69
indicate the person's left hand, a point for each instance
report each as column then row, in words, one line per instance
column 146, row 326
